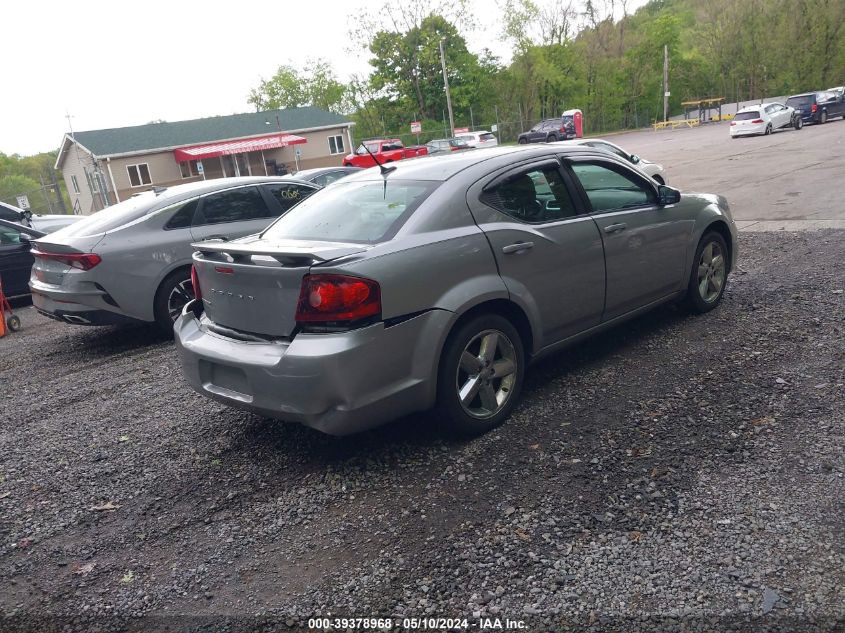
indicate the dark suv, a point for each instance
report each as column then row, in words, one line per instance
column 546, row 131
column 818, row 107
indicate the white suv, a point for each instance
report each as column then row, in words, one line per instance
column 764, row 119
column 479, row 139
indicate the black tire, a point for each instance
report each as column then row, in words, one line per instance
column 551, row 138
column 797, row 123
column 457, row 417
column 162, row 307
column 823, row 117
column 13, row 323
column 768, row 129
column 658, row 180
column 694, row 299
column 522, row 141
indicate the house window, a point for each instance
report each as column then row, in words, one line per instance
column 75, row 184
column 189, row 168
column 139, row 175
column 336, row 144
column 95, row 185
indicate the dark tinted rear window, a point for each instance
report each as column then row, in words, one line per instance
column 370, row 211
column 486, row 137
column 747, row 116
column 799, row 101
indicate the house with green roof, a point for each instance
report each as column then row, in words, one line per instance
column 103, row 167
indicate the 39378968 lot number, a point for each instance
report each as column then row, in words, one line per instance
column 403, row 624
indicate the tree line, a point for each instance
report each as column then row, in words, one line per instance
column 587, row 54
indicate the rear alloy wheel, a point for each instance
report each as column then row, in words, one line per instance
column 522, row 141
column 823, row 117
column 173, row 293
column 481, row 374
column 551, row 138
column 798, row 123
column 709, row 274
column 768, row 129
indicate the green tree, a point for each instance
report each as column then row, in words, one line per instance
column 313, row 85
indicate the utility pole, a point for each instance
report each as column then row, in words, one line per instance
column 665, row 82
column 446, row 85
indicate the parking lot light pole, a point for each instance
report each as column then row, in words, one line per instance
column 446, row 85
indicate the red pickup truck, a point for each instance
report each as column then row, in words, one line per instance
column 386, row 150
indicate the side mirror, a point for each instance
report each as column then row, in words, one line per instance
column 26, row 237
column 667, row 195
column 635, row 159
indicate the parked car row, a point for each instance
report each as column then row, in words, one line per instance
column 811, row 107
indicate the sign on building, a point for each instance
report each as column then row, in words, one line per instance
column 23, row 202
column 416, row 127
column 461, row 130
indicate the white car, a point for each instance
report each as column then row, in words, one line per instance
column 43, row 223
column 764, row 119
column 653, row 170
column 479, row 139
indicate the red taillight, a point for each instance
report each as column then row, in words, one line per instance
column 195, row 283
column 814, row 108
column 325, row 298
column 757, row 121
column 81, row 261
column 733, row 122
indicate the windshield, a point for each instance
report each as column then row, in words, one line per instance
column 747, row 116
column 361, row 151
column 370, row 211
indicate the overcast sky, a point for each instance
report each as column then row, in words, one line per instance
column 115, row 64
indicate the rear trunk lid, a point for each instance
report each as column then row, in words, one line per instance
column 253, row 286
column 53, row 272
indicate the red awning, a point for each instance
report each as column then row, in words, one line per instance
column 210, row 150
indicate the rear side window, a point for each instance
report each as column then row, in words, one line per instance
column 235, row 205
column 487, row 137
column 369, row 212
column 535, row 196
column 610, row 189
column 326, row 179
column 184, row 216
column 289, row 195
column 747, row 116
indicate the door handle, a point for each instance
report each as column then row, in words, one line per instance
column 222, row 238
column 613, row 228
column 516, row 248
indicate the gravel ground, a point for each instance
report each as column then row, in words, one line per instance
column 677, row 473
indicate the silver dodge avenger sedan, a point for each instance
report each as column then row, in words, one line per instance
column 435, row 282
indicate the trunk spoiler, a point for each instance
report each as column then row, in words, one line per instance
column 314, row 252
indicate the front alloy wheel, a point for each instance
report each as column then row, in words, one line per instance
column 709, row 274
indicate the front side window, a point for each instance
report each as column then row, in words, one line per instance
column 363, row 147
column 535, row 196
column 336, row 144
column 369, row 211
column 289, row 195
column 235, row 205
column 610, row 189
column 8, row 236
column 139, row 175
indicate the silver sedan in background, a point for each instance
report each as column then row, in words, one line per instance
column 653, row 170
column 132, row 261
column 435, row 282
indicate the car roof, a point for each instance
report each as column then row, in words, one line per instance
column 442, row 167
column 804, row 94
column 754, row 108
column 314, row 171
column 204, row 186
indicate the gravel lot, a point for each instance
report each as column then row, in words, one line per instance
column 677, row 471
